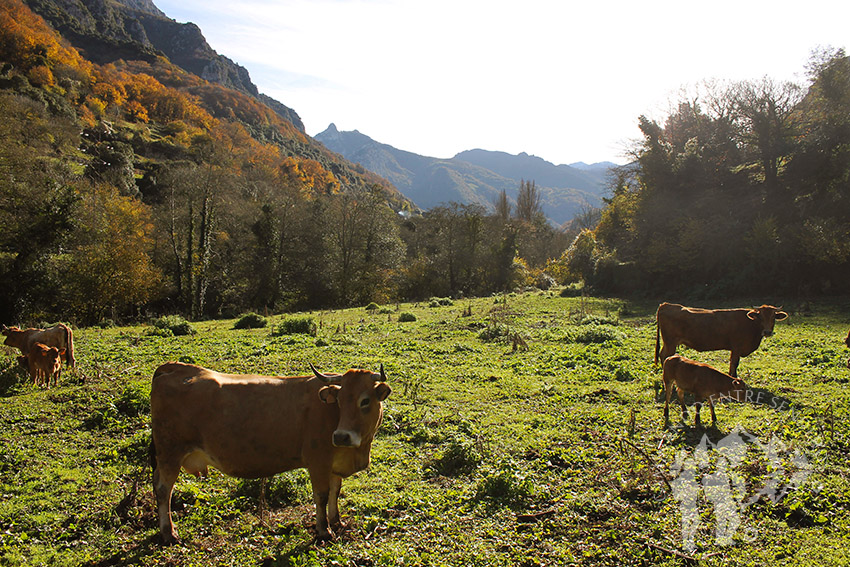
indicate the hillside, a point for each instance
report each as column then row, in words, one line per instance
column 474, row 176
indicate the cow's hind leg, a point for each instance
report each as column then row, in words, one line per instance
column 333, row 501
column 165, row 474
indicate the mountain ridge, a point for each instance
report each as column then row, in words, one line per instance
column 473, row 176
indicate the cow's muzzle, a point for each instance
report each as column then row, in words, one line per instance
column 344, row 438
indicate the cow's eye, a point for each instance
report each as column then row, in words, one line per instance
column 364, row 403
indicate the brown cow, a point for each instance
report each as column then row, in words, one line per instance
column 252, row 426
column 59, row 336
column 737, row 330
column 703, row 381
column 43, row 363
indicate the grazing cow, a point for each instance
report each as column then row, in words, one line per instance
column 251, row 426
column 737, row 330
column 59, row 336
column 703, row 381
column 44, row 363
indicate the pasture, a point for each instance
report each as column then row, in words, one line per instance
column 523, row 430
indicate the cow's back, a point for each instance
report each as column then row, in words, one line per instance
column 708, row 329
column 248, row 426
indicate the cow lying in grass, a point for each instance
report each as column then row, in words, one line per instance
column 251, row 426
column 701, row 380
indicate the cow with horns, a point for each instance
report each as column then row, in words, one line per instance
column 251, row 426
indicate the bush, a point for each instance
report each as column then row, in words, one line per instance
column 296, row 326
column 494, row 331
column 440, row 301
column 251, row 321
column 135, row 400
column 283, row 489
column 174, row 323
column 372, row 307
column 573, row 290
column 406, row 317
column 506, row 486
column 588, row 334
column 457, row 458
column 11, row 375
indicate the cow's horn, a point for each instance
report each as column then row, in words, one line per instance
column 320, row 376
column 383, row 374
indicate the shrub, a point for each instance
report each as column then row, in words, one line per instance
column 573, row 290
column 372, row 307
column 457, row 458
column 588, row 334
column 174, row 323
column 135, row 400
column 505, row 486
column 251, row 321
column 296, row 326
column 283, row 489
column 440, row 301
column 494, row 331
column 11, row 375
column 406, row 317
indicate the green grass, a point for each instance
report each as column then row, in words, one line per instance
column 488, row 454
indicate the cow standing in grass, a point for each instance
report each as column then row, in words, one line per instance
column 43, row 363
column 251, row 426
column 739, row 331
column 701, row 380
column 59, row 336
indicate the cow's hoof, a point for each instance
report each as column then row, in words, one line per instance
column 169, row 540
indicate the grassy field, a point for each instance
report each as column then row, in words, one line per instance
column 549, row 450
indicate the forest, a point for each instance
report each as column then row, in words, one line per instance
column 136, row 189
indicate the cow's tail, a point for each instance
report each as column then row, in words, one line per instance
column 69, row 347
column 152, row 455
column 657, row 341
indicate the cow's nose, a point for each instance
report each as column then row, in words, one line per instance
column 342, row 439
column 767, row 333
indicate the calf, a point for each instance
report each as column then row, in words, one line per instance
column 251, row 426
column 703, row 381
column 44, row 363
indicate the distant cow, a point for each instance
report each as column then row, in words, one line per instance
column 703, row 381
column 43, row 363
column 252, row 426
column 59, row 336
column 737, row 330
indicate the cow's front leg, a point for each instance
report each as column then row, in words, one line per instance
column 333, row 501
column 321, row 493
column 734, row 359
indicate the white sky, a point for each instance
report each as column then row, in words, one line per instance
column 562, row 80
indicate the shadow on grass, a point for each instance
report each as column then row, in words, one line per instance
column 689, row 434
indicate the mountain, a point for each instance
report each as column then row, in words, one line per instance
column 474, row 176
column 105, row 31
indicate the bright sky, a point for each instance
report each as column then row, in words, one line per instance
column 559, row 79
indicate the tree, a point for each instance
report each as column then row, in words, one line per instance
column 528, row 203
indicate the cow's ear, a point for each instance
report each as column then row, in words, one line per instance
column 328, row 393
column 780, row 315
column 753, row 314
column 383, row 391
column 62, row 352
